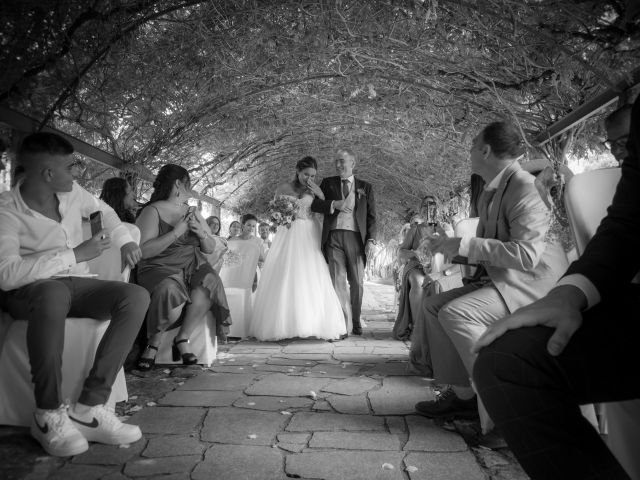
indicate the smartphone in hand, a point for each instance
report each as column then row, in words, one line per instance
column 95, row 220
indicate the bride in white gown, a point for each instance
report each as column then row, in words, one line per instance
column 295, row 296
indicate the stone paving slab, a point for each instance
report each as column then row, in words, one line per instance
column 243, row 359
column 169, row 420
column 333, row 371
column 311, row 346
column 319, row 422
column 173, row 445
column 308, row 357
column 301, row 438
column 241, row 426
column 291, row 447
column 359, row 358
column 296, row 362
column 352, row 405
column 396, row 369
column 220, row 381
column 195, row 398
column 425, row 436
column 322, row 406
column 352, row 386
column 147, row 467
column 289, row 369
column 396, row 425
column 240, row 462
column 78, row 472
column 281, row 385
column 399, row 395
column 273, row 404
column 355, row 441
column 100, row 454
column 351, row 465
column 444, row 466
column 231, row 368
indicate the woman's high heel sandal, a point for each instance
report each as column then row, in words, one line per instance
column 187, row 358
column 146, row 364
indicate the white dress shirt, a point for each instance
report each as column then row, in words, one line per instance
column 35, row 247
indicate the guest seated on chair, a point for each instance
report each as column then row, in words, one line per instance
column 118, row 194
column 43, row 277
column 575, row 346
column 235, row 229
column 412, row 253
column 173, row 268
column 517, row 267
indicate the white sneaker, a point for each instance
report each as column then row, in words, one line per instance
column 100, row 424
column 55, row 432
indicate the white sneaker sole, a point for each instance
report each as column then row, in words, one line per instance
column 61, row 452
column 94, row 435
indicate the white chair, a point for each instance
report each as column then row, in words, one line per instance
column 81, row 339
column 587, row 197
column 238, row 282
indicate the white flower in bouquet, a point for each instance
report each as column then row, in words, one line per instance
column 282, row 210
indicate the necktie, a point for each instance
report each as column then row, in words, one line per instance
column 345, row 188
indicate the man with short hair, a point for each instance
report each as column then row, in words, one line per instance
column 517, row 265
column 349, row 233
column 575, row 346
column 44, row 278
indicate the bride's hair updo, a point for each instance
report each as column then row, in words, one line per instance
column 306, row 162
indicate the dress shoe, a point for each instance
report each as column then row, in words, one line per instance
column 448, row 405
column 356, row 330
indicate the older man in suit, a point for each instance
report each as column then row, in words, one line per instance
column 577, row 345
column 348, row 233
column 517, row 266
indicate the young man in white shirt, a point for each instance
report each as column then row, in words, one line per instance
column 44, row 278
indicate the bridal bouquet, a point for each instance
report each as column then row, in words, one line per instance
column 282, row 211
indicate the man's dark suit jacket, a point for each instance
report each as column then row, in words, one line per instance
column 365, row 208
column 612, row 257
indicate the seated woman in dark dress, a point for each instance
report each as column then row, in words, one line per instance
column 174, row 270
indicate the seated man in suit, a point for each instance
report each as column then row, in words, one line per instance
column 43, row 277
column 518, row 266
column 580, row 346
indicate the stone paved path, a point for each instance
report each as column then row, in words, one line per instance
column 303, row 409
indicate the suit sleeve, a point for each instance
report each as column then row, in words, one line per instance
column 322, row 206
column 372, row 227
column 528, row 219
column 612, row 257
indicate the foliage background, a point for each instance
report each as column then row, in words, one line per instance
column 239, row 90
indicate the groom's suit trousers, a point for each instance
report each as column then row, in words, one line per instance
column 345, row 255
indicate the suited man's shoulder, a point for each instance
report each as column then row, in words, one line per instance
column 362, row 182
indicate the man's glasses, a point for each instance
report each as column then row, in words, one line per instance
column 616, row 142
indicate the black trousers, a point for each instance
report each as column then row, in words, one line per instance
column 45, row 304
column 345, row 255
column 533, row 398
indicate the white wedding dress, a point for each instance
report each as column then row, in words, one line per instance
column 295, row 295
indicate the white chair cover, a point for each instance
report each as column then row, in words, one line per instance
column 238, row 281
column 203, row 342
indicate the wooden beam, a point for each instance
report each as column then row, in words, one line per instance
column 587, row 109
column 24, row 123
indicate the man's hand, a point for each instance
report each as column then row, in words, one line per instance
column 449, row 247
column 370, row 248
column 130, row 254
column 92, row 248
column 560, row 309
